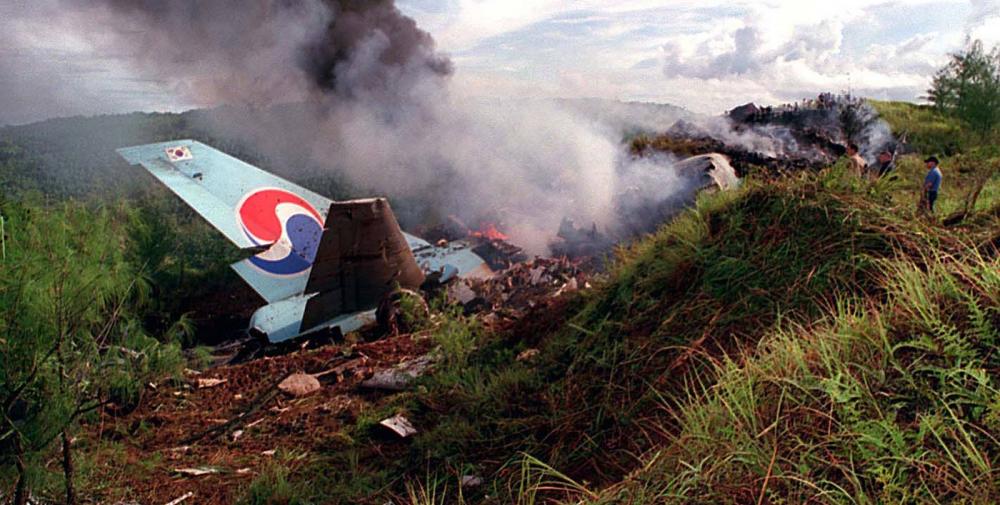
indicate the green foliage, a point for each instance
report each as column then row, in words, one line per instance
column 926, row 129
column 68, row 332
column 273, row 487
column 811, row 321
column 887, row 403
column 968, row 88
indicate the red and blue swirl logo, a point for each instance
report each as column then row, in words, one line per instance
column 286, row 220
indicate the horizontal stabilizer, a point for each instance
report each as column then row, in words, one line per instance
column 277, row 222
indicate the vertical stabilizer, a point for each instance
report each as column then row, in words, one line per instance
column 362, row 255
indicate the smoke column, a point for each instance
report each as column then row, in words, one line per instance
column 380, row 107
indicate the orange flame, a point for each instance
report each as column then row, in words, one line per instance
column 489, row 232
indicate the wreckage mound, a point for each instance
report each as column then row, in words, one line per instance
column 810, row 134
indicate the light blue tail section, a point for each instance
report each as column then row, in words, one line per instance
column 219, row 188
column 282, row 320
column 216, row 174
column 187, row 181
column 214, row 184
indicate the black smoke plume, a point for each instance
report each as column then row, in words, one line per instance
column 261, row 52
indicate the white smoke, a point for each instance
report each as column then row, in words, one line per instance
column 380, row 109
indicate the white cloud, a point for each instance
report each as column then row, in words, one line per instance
column 712, row 55
column 708, row 55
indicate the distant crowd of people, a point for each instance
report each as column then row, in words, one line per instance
column 885, row 166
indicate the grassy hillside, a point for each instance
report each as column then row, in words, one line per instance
column 922, row 127
column 811, row 338
column 805, row 339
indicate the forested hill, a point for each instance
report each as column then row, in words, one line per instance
column 75, row 157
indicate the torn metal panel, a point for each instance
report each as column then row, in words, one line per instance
column 400, row 426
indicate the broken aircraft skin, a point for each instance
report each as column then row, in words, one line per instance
column 320, row 265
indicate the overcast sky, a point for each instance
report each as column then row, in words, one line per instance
column 706, row 55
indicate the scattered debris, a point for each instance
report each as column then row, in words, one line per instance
column 511, row 293
column 197, row 471
column 210, row 383
column 399, row 425
column 399, row 377
column 180, row 499
column 299, row 385
column 527, row 354
column 469, row 481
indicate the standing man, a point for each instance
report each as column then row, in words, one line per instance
column 885, row 164
column 932, row 184
column 855, row 163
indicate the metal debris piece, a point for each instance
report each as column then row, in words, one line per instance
column 569, row 287
column 527, row 354
column 197, row 471
column 399, row 377
column 536, row 275
column 300, row 384
column 399, row 425
column 470, row 481
column 461, row 292
column 210, row 382
column 183, row 497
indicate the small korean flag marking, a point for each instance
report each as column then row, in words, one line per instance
column 179, row 153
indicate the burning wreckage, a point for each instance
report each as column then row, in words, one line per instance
column 329, row 268
column 325, row 267
column 715, row 152
column 810, row 134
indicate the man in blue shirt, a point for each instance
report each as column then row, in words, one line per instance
column 932, row 184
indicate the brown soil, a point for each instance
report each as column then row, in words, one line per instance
column 181, row 426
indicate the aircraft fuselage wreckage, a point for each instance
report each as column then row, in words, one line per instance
column 320, row 265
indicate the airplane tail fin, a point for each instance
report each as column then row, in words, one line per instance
column 362, row 256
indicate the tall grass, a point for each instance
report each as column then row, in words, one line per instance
column 803, row 339
column 878, row 402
